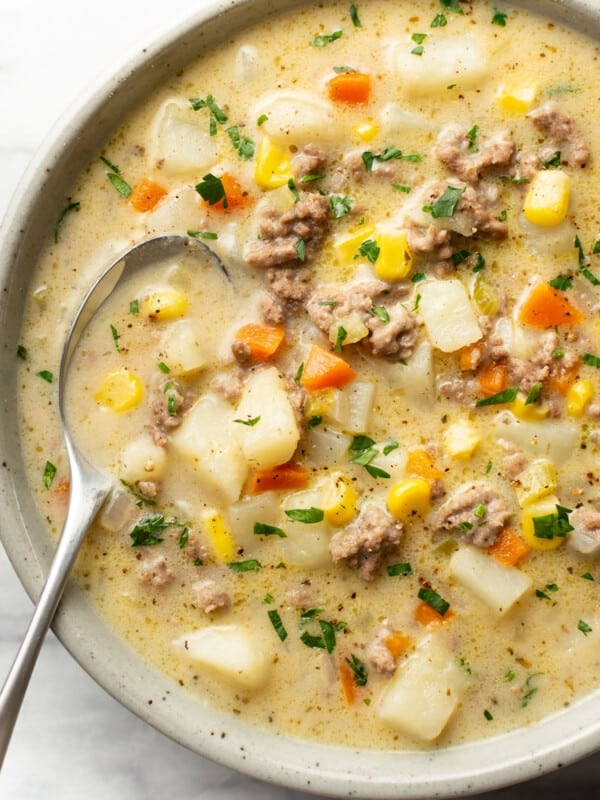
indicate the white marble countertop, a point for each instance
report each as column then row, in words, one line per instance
column 72, row 740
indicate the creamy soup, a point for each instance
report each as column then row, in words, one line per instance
column 356, row 481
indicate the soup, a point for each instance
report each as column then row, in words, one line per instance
column 355, row 473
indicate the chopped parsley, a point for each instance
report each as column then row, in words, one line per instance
column 134, row 307
column 148, row 529
column 293, row 189
column 340, row 204
column 245, row 147
column 587, row 576
column 402, row 187
column 591, row 360
column 488, row 715
column 49, row 474
column 381, row 313
column 445, row 205
column 359, row 670
column 506, row 396
column 323, row 39
column 387, row 154
column 140, row 497
column 326, row 641
column 251, row 422
column 530, row 692
column 263, row 529
column 343, row 69
column 312, row 178
column 499, row 18
column 390, row 447
column 583, row 267
column 120, row 184
column 583, row 627
column 534, row 393
column 439, row 21
column 472, row 139
column 212, row 190
column 354, row 16
column 163, row 367
column 434, row 600
column 217, row 115
column 184, row 538
column 553, row 525
column 341, row 336
column 364, row 453
column 112, row 167
column 301, row 249
column 554, row 162
column 45, row 375
column 299, row 371
column 418, row 39
column 203, row 235
column 452, row 5
column 261, row 120
column 115, row 338
column 277, row 624
column 562, row 282
column 370, row 250
column 61, row 218
column 418, row 277
column 307, row 515
column 22, row 352
column 403, row 569
column 251, row 565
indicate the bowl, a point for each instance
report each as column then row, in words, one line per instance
column 556, row 741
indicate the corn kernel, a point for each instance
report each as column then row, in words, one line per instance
column 395, row 258
column 461, row 439
column 346, row 247
column 367, row 131
column 536, row 481
column 340, row 501
column 531, row 412
column 579, row 396
column 409, row 497
column 547, row 200
column 219, row 536
column 164, row 304
column 516, row 99
column 120, row 390
column 541, row 508
column 273, row 164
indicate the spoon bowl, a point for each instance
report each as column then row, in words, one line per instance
column 89, row 486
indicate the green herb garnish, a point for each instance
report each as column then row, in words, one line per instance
column 148, row 529
column 342, row 335
column 251, row 565
column 301, row 249
column 245, row 147
column 323, row 39
column 341, row 205
column 359, row 670
column 263, row 529
column 506, row 396
column 307, row 515
column 212, row 190
column 45, row 375
column 277, row 624
column 61, row 218
column 49, row 474
column 553, row 525
column 403, row 569
column 249, row 422
column 434, row 600
column 203, row 235
column 445, row 205
column 370, row 250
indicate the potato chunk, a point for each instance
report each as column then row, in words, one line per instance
column 499, row 587
column 448, row 315
column 424, row 692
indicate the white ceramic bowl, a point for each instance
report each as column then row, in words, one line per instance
column 558, row 740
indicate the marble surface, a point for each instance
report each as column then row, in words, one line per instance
column 72, row 740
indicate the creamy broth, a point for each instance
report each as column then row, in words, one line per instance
column 412, row 200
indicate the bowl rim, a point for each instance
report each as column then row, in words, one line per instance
column 314, row 768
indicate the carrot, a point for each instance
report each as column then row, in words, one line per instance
column 492, row 378
column 397, row 643
column 263, row 341
column 146, row 195
column 509, row 548
column 562, row 377
column 420, row 463
column 429, row 617
column 347, row 681
column 469, row 356
column 547, row 307
column 323, row 369
column 285, row 476
column 350, row 87
column 235, row 195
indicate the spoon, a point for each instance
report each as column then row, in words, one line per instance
column 89, row 487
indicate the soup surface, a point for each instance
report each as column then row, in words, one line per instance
column 356, row 477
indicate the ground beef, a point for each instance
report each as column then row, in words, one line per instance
column 378, row 653
column 241, row 352
column 586, row 536
column 148, row 488
column 210, row 597
column 430, row 240
column 309, row 161
column 290, row 284
column 469, row 159
column 479, row 210
column 327, row 309
column 301, row 597
column 297, row 395
column 272, row 310
column 525, row 374
column 169, row 404
column 478, row 512
column 365, row 542
column 154, row 570
column 307, row 220
column 552, row 121
column 458, row 388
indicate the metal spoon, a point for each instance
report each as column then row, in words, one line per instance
column 89, row 486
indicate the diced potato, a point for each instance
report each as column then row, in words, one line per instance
column 182, row 347
column 307, row 544
column 248, row 64
column 331, row 404
column 273, row 164
column 179, row 212
column 340, row 500
column 456, row 60
column 326, row 447
column 361, row 396
column 424, row 692
column 183, row 142
column 395, row 258
column 393, row 462
column 206, row 442
column 142, row 460
column 536, row 481
column 541, row 508
column 353, row 325
column 448, row 315
column 579, row 396
column 461, row 439
column 416, row 377
column 163, row 304
column 518, row 98
column 219, row 536
column 232, row 652
column 273, row 439
column 396, row 120
column 346, row 246
column 547, row 199
column 499, row 587
column 408, row 497
column 556, row 441
column 296, row 117
column 263, row 507
column 120, row 390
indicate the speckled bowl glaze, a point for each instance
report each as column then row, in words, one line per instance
column 558, row 740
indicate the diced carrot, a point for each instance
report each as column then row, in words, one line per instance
column 562, row 377
column 509, row 548
column 235, row 195
column 350, row 87
column 547, row 307
column 429, row 617
column 420, row 463
column 323, row 369
column 468, row 356
column 492, row 378
column 146, row 195
column 397, row 643
column 263, row 341
column 347, row 681
column 285, row 476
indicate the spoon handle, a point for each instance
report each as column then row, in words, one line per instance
column 89, row 489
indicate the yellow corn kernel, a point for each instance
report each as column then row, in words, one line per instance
column 528, row 412
column 516, row 99
column 346, row 247
column 273, row 164
column 542, row 508
column 547, row 200
column 536, row 481
column 579, row 396
column 409, row 497
column 120, row 390
column 367, row 131
column 164, row 304
column 461, row 439
column 395, row 258
column 219, row 537
column 340, row 501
